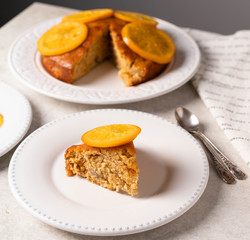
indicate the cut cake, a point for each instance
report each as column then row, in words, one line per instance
column 104, row 40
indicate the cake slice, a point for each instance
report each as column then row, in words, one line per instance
column 114, row 168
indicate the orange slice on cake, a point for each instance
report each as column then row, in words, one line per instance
column 149, row 42
column 111, row 135
column 62, row 38
column 89, row 15
column 135, row 17
column 1, row 120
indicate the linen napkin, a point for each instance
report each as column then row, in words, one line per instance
column 223, row 83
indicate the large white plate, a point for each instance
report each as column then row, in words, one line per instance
column 17, row 115
column 173, row 175
column 102, row 85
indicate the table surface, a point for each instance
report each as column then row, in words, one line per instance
column 223, row 210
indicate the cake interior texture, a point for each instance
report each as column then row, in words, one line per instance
column 114, row 168
column 104, row 40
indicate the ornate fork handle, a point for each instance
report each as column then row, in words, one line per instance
column 233, row 168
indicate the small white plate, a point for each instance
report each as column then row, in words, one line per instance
column 173, row 175
column 102, row 85
column 17, row 114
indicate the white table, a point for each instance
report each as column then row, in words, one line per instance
column 223, row 211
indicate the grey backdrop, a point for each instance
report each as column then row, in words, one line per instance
column 222, row 16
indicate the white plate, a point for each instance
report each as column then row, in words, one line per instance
column 173, row 175
column 102, row 85
column 17, row 115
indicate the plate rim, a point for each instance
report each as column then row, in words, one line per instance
column 26, row 123
column 102, row 100
column 92, row 230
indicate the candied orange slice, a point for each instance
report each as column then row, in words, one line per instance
column 149, row 42
column 111, row 135
column 1, row 120
column 62, row 38
column 89, row 15
column 135, row 17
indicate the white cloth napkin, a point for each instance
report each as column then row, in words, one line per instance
column 223, row 83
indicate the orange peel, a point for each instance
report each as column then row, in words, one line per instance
column 62, row 38
column 149, row 42
column 89, row 15
column 135, row 17
column 111, row 135
column 1, row 120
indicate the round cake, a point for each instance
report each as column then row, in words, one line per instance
column 104, row 41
